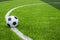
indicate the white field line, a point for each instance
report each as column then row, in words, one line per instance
column 15, row 29
column 8, row 13
column 20, row 34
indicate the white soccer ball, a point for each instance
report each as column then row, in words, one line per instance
column 12, row 21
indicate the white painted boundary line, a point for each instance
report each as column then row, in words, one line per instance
column 15, row 29
column 8, row 13
column 21, row 35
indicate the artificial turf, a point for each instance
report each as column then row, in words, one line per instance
column 40, row 22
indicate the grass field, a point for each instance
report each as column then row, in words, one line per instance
column 40, row 22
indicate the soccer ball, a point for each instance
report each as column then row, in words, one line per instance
column 12, row 21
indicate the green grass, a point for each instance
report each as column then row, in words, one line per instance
column 40, row 22
column 54, row 3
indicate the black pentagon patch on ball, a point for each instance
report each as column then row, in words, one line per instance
column 9, row 19
column 8, row 25
column 14, row 23
column 15, row 17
